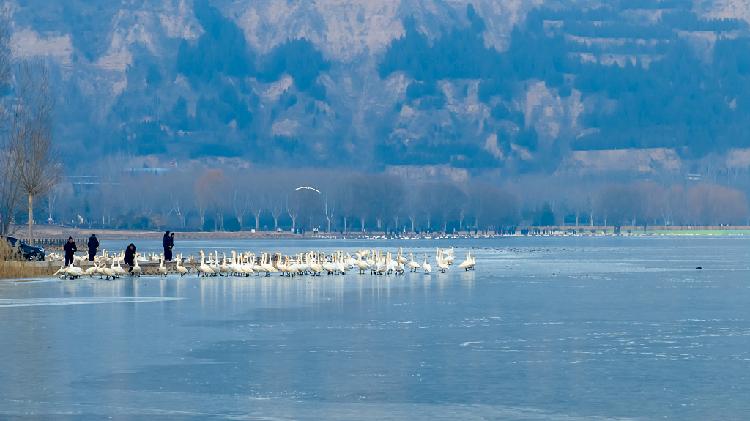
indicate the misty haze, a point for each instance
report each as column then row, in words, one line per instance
column 374, row 209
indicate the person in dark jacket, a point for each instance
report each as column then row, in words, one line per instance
column 130, row 256
column 93, row 246
column 70, row 249
column 167, row 243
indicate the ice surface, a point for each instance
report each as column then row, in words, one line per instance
column 545, row 328
column 29, row 302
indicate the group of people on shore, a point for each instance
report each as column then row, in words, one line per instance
column 70, row 249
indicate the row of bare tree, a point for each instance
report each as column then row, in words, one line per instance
column 196, row 197
column 27, row 163
column 651, row 203
column 333, row 200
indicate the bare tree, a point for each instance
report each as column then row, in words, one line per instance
column 292, row 211
column 305, row 204
column 31, row 135
column 386, row 198
column 175, row 208
column 492, row 207
column 5, row 56
column 329, row 212
column 240, row 205
column 275, row 190
column 448, row 203
column 9, row 187
column 276, row 210
column 206, row 194
column 52, row 199
column 475, row 204
column 261, row 201
column 428, row 193
column 412, row 205
column 711, row 204
column 345, row 193
column 463, row 208
column 10, row 191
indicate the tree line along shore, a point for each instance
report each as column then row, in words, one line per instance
column 54, row 239
column 13, row 268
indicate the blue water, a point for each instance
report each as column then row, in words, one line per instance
column 545, row 328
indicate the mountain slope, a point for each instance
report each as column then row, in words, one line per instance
column 516, row 85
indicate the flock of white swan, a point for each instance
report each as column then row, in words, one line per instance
column 311, row 263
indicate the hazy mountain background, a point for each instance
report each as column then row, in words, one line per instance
column 515, row 86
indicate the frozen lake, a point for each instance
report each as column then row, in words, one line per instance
column 546, row 328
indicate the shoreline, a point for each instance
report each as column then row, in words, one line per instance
column 20, row 270
column 53, row 233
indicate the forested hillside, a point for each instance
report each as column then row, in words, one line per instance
column 471, row 84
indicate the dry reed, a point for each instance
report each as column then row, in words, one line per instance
column 13, row 268
column 24, row 270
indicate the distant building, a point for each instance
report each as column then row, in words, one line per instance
column 149, row 170
column 639, row 161
column 83, row 183
column 738, row 159
column 429, row 172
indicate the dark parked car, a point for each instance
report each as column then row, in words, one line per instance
column 27, row 252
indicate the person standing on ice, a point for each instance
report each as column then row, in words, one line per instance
column 70, row 249
column 167, row 243
column 93, row 246
column 130, row 256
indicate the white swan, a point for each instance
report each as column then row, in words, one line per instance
column 426, row 265
column 449, row 256
column 119, row 271
column 401, row 259
column 182, row 270
column 467, row 264
column 215, row 262
column 162, row 268
column 340, row 265
column 315, row 267
column 224, row 267
column 247, row 264
column 266, row 264
column 441, row 262
column 329, row 267
column 73, row 271
column 61, row 271
column 292, row 267
column 137, row 270
column 109, row 272
column 361, row 264
column 93, row 270
column 235, row 267
column 413, row 265
column 204, row 269
column 100, row 268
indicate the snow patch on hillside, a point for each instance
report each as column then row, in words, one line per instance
column 267, row 24
column 724, row 9
column 500, row 17
column 276, row 89
column 285, row 127
column 130, row 28
column 550, row 114
column 357, row 27
column 26, row 43
column 342, row 30
column 492, row 147
column 178, row 20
